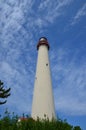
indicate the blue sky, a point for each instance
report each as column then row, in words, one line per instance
column 63, row 22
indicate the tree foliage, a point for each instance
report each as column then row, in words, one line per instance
column 4, row 93
column 10, row 122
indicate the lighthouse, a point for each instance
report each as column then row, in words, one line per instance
column 43, row 101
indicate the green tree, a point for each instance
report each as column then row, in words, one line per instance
column 77, row 128
column 4, row 93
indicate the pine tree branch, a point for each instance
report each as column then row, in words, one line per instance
column 1, row 88
column 1, row 83
column 6, row 91
column 2, row 95
column 3, row 102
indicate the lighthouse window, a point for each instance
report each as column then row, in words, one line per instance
column 47, row 64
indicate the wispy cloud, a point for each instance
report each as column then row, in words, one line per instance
column 53, row 9
column 69, row 83
column 20, row 23
column 20, row 83
column 80, row 13
column 20, row 17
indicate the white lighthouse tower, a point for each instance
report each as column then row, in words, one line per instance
column 43, row 102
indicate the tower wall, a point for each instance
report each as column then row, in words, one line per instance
column 43, row 102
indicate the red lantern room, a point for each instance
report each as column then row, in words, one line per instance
column 43, row 41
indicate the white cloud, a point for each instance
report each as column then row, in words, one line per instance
column 71, row 106
column 80, row 13
column 20, row 22
column 21, row 86
column 69, row 86
column 53, row 9
column 20, row 15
